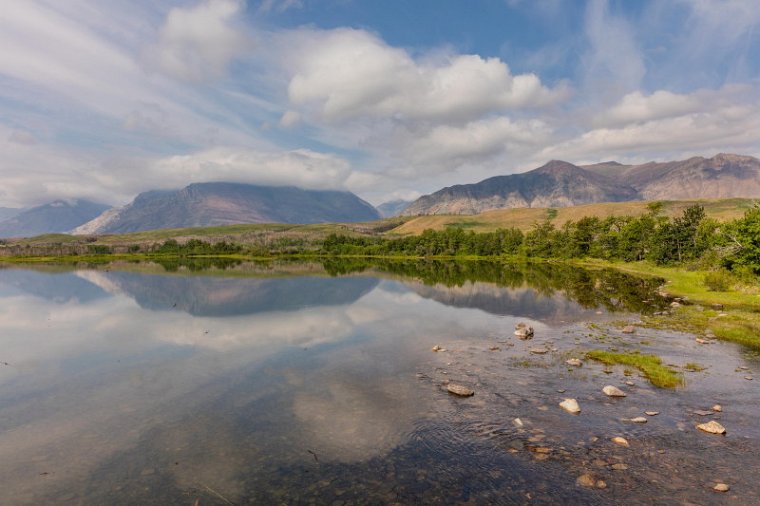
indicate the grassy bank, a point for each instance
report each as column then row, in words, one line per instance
column 731, row 315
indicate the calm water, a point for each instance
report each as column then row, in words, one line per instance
column 312, row 384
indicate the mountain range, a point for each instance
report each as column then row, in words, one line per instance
column 57, row 216
column 562, row 184
column 214, row 204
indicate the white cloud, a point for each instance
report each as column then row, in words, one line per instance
column 198, row 43
column 636, row 107
column 351, row 73
column 290, row 119
column 22, row 137
column 302, row 167
column 614, row 61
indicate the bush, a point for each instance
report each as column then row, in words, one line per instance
column 719, row 281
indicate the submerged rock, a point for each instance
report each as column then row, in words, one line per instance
column 651, row 413
column 571, row 406
column 575, row 362
column 612, row 391
column 586, row 480
column 539, row 351
column 629, row 329
column 639, row 419
column 620, row 441
column 712, row 427
column 721, row 487
column 459, row 390
column 717, row 408
column 523, row 331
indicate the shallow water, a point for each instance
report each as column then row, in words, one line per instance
column 312, row 384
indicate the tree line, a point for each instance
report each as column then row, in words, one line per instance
column 691, row 237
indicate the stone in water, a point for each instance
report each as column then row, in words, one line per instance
column 460, row 390
column 571, row 406
column 629, row 329
column 575, row 362
column 717, row 408
column 620, row 441
column 712, row 427
column 639, row 419
column 538, row 351
column 613, row 391
column 651, row 413
column 721, row 487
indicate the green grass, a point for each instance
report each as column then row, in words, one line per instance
column 650, row 365
column 694, row 367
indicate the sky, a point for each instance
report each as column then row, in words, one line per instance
column 393, row 99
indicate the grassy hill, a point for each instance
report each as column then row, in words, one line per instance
column 525, row 218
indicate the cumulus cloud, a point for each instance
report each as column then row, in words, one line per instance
column 349, row 73
column 665, row 123
column 198, row 43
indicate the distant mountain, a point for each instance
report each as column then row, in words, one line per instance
column 556, row 184
column 561, row 184
column 58, row 216
column 8, row 212
column 722, row 176
column 213, row 204
column 393, row 208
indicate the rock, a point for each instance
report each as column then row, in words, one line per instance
column 619, row 467
column 518, row 423
column 620, row 441
column 586, row 480
column 721, row 487
column 651, row 413
column 460, row 390
column 538, row 351
column 717, row 408
column 438, row 348
column 612, row 391
column 571, row 406
column 629, row 329
column 748, row 378
column 630, row 383
column 525, row 332
column 575, row 362
column 675, row 304
column 494, row 348
column 712, row 427
column 601, row 484
column 702, row 412
column 702, row 341
column 639, row 419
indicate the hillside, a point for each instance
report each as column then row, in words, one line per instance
column 217, row 204
column 561, row 184
column 58, row 216
column 525, row 218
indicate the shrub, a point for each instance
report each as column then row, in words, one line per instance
column 719, row 281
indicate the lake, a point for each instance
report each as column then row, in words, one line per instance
column 221, row 382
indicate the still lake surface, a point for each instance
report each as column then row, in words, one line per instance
column 285, row 383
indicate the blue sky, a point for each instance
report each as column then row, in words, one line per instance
column 388, row 99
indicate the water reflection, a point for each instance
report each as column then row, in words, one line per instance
column 280, row 383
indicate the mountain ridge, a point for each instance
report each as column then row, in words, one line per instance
column 562, row 184
column 54, row 217
column 223, row 203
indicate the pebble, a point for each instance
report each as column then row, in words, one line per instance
column 438, row 348
column 460, row 390
column 630, row 383
column 675, row 304
column 717, row 408
column 651, row 413
column 494, row 348
column 620, row 441
column 523, row 331
column 748, row 378
column 702, row 412
column 538, row 351
column 619, row 467
column 575, row 362
column 613, row 391
column 570, row 405
column 639, row 419
column 586, row 480
column 712, row 427
column 721, row 487
column 629, row 329
column 518, row 423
